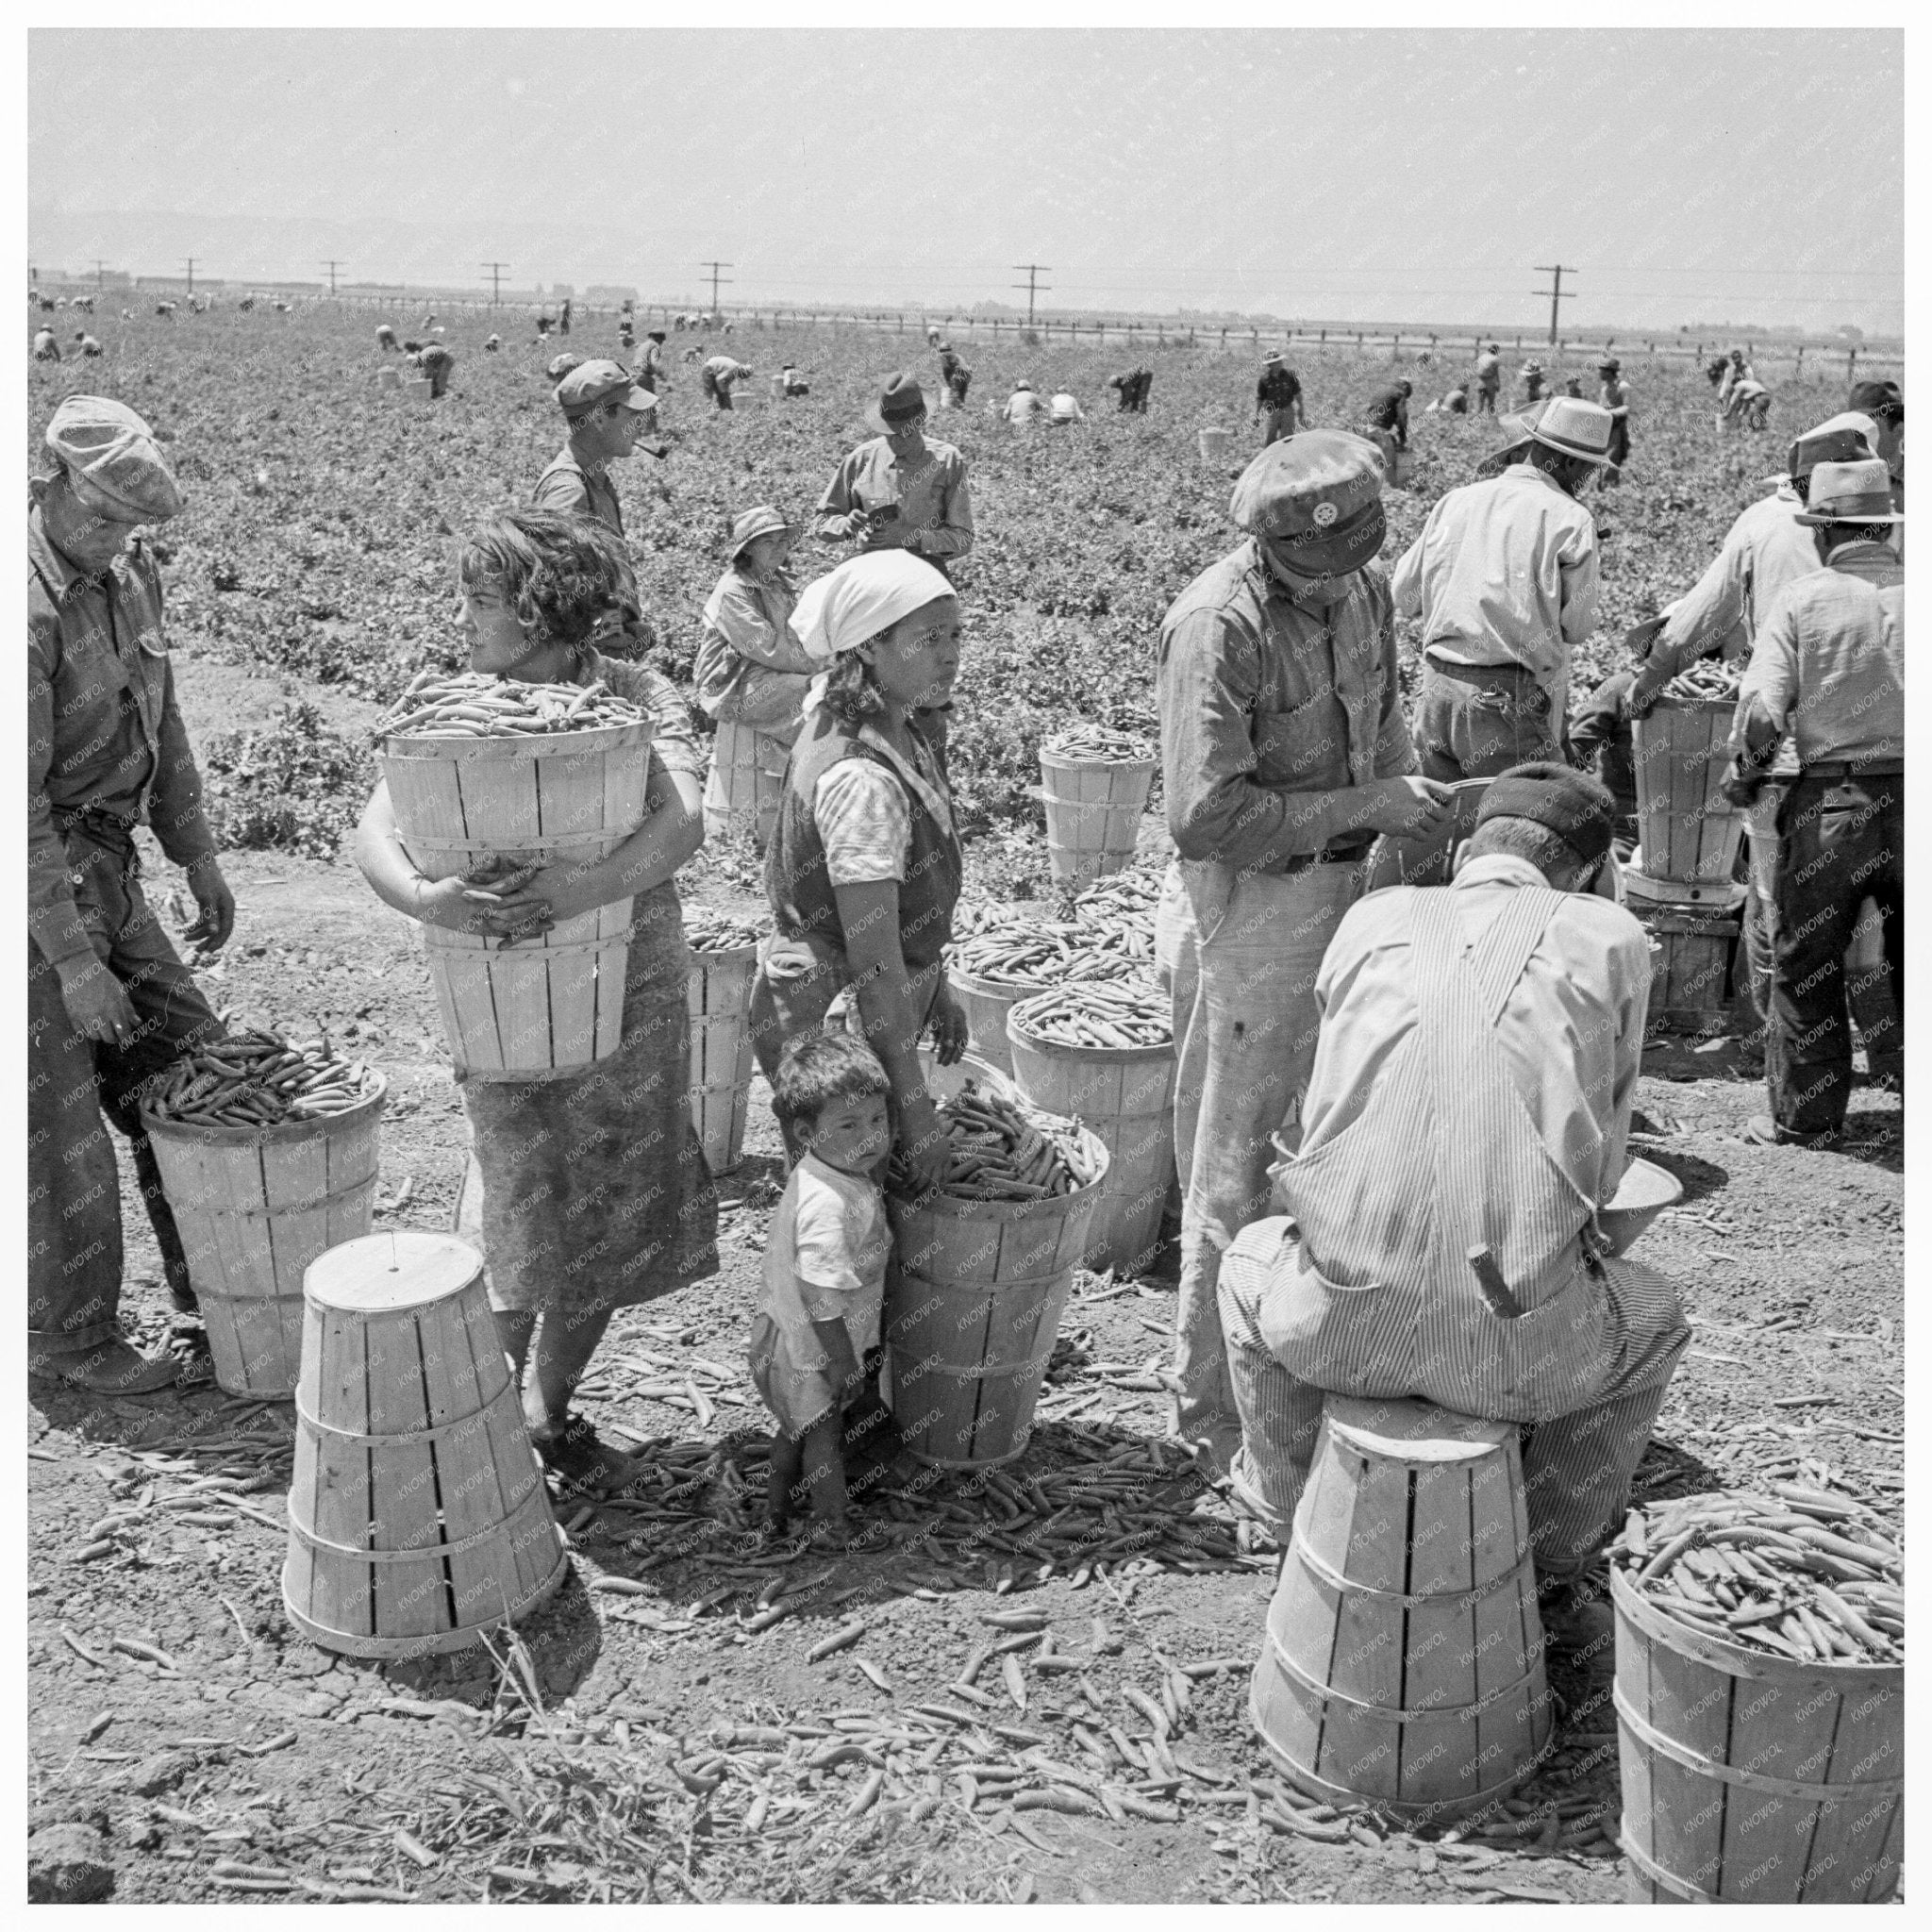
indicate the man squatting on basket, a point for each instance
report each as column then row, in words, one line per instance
column 1471, row 1088
column 824, row 1280
column 109, row 1003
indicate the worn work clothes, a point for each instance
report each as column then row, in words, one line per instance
column 1274, row 709
column 1842, row 841
column 103, row 736
column 1388, row 409
column 1278, row 389
column 1023, row 405
column 567, row 485
column 1488, row 381
column 1478, row 721
column 1065, row 409
column 1504, row 572
column 1241, row 987
column 935, row 517
column 751, row 667
column 1829, row 664
column 1614, row 392
column 1473, row 1083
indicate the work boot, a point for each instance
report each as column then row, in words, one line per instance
column 1578, row 1623
column 1765, row 1132
column 114, row 1367
column 581, row 1463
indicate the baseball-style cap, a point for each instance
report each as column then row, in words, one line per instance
column 591, row 383
column 1323, row 486
column 1854, row 492
column 1575, row 428
column 110, row 452
column 1580, row 811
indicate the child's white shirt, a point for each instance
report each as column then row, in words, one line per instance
column 826, row 1253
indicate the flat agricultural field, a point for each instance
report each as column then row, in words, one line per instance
column 665, row 1738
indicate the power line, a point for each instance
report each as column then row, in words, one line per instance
column 1555, row 291
column 713, row 267
column 190, row 275
column 332, row 266
column 1032, row 271
column 497, row 269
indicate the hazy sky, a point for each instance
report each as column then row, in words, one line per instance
column 1386, row 174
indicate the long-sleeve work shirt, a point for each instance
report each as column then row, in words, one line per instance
column 1274, row 711
column 103, row 733
column 934, row 517
column 747, row 623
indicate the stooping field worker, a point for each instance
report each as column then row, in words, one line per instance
column 1132, row 387
column 1284, row 752
column 955, row 375
column 1488, row 379
column 595, row 1193
column 1278, row 400
column 1827, row 666
column 1473, row 1083
column 720, row 376
column 608, row 415
column 815, row 1338
column 438, row 364
column 1534, row 387
column 865, row 867
column 47, row 349
column 110, row 1005
column 1064, row 411
column 897, row 490
column 752, row 668
column 1024, row 406
column 1505, row 576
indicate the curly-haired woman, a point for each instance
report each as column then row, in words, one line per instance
column 595, row 1193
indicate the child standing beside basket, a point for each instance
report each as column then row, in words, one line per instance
column 815, row 1338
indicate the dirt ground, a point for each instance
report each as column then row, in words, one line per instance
column 244, row 1762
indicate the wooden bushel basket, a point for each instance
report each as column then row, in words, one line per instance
column 986, row 1007
column 720, row 1055
column 255, row 1206
column 1404, row 1655
column 1126, row 1096
column 388, row 378
column 418, row 389
column 1092, row 812
column 745, row 781
column 1751, row 1778
column 973, row 1297
column 549, row 1005
column 1689, row 829
column 418, row 1515
column 1691, row 972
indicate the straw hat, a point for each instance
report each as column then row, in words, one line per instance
column 1856, row 492
column 1573, row 428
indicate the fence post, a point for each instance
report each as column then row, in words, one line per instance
column 1395, row 348
column 1851, row 365
column 1800, row 370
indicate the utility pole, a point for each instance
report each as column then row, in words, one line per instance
column 191, row 275
column 497, row 269
column 1032, row 271
column 100, row 275
column 1556, row 292
column 332, row 266
column 712, row 267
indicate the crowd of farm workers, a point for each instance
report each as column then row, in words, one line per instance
column 1445, row 1069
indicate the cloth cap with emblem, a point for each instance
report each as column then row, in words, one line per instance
column 110, row 452
column 1322, row 487
column 1580, row 811
column 591, row 383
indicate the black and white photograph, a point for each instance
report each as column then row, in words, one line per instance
column 965, row 961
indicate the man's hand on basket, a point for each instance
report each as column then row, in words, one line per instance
column 948, row 1024
column 923, row 1143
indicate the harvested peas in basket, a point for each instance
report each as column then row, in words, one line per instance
column 705, row 931
column 1101, row 743
column 1705, row 679
column 1802, row 1573
column 254, row 1079
column 473, row 704
column 997, row 1151
column 1117, row 1012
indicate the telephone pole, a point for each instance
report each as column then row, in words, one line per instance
column 497, row 269
column 100, row 275
column 1032, row 271
column 191, row 275
column 332, row 266
column 1556, row 292
column 712, row 267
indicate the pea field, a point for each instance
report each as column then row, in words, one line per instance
column 656, row 1732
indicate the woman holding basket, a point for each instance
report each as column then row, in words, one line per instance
column 863, row 871
column 595, row 1193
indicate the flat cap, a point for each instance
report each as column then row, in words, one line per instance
column 1307, row 485
column 1580, row 811
column 109, row 450
column 591, row 383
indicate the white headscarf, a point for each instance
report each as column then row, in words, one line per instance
column 865, row 595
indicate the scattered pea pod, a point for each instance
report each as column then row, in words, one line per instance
column 1098, row 1013
column 708, row 931
column 1102, row 743
column 472, row 703
column 255, row 1079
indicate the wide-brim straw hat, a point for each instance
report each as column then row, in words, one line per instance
column 1858, row 492
column 1573, row 427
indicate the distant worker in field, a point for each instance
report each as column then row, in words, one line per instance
column 385, row 336
column 1453, row 402
column 1714, row 370
column 752, row 668
column 110, row 1005
column 626, row 336
column 1278, row 402
column 1064, row 411
column 1024, row 406
column 650, row 369
column 87, row 345
column 1736, row 370
column 492, row 343
column 932, row 337
column 1749, row 405
column 1573, row 386
column 899, row 491
column 1284, row 752
column 1534, row 386
column 956, row 376
column 1505, row 577
column 45, row 348
column 791, row 383
column 437, row 363
column 1488, row 379
column 1134, row 387
column 1386, row 421
column 607, row 414
column 1884, row 403
column 564, row 318
column 720, row 376
column 1614, row 392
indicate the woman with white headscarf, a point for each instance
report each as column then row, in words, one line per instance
column 863, row 870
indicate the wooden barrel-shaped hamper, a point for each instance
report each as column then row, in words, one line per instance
column 744, row 782
column 720, row 1055
column 1689, row 829
column 1217, row 445
column 986, row 1005
column 1124, row 1094
column 255, row 1206
column 418, row 1515
column 388, row 378
column 418, row 389
column 1691, row 972
column 1403, row 1660
column 1750, row 1779
column 549, row 1005
column 1093, row 811
column 974, row 1295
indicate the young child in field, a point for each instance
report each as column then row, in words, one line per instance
column 824, row 1281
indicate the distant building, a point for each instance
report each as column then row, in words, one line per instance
column 609, row 292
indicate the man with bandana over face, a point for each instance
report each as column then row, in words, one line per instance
column 1284, row 752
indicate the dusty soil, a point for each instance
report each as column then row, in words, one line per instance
column 250, row 1763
